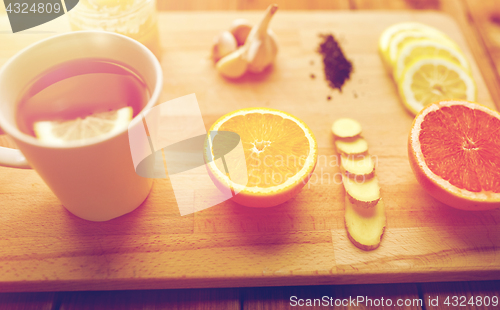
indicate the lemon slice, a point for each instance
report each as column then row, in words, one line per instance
column 428, row 48
column 389, row 32
column 402, row 38
column 79, row 129
column 387, row 35
column 428, row 80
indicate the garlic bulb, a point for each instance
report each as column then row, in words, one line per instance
column 261, row 46
column 258, row 51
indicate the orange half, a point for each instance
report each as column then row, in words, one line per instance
column 454, row 151
column 280, row 156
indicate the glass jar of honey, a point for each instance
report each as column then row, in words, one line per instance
column 136, row 19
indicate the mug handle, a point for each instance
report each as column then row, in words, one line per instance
column 13, row 158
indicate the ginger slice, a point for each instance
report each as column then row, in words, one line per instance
column 357, row 147
column 345, row 128
column 365, row 227
column 362, row 192
column 361, row 166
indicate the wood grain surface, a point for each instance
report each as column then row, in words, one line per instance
column 415, row 295
column 44, row 247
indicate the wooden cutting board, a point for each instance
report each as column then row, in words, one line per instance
column 302, row 242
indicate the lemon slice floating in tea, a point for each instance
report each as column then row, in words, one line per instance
column 79, row 129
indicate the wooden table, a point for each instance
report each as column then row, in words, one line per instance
column 482, row 35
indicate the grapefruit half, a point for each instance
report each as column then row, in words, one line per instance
column 454, row 152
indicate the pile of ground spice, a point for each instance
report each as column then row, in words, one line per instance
column 337, row 68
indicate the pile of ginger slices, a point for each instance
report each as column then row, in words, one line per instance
column 365, row 218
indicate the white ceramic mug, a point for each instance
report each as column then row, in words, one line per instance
column 95, row 180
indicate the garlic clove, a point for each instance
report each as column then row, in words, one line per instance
column 233, row 65
column 240, row 28
column 261, row 47
column 260, row 29
column 224, row 44
column 261, row 55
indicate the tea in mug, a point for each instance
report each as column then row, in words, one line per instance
column 78, row 89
